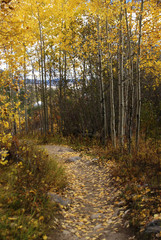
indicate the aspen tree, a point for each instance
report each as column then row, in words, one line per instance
column 50, row 101
column 25, row 87
column 138, row 109
column 45, row 87
column 121, row 78
column 131, row 80
column 102, row 90
column 110, row 68
column 42, row 76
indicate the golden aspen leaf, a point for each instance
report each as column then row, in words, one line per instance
column 41, row 218
column 45, row 237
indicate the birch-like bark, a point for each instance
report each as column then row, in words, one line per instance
column 13, row 123
column 119, row 93
column 121, row 81
column 41, row 96
column 42, row 77
column 112, row 104
column 131, row 81
column 75, row 78
column 138, row 109
column 65, row 74
column 113, row 130
column 37, row 97
column 60, row 92
column 45, row 89
column 26, row 117
column 102, row 88
column 51, row 109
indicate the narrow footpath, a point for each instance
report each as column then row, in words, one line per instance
column 92, row 210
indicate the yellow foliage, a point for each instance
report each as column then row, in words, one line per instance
column 45, row 237
column 9, row 111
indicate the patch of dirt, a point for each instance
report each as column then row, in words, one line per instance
column 92, row 213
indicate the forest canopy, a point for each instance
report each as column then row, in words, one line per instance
column 91, row 65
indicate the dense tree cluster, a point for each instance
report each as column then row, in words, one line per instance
column 91, row 64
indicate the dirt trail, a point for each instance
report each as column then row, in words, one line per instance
column 91, row 214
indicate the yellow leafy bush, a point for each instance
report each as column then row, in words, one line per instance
column 9, row 112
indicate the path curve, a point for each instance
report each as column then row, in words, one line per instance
column 92, row 213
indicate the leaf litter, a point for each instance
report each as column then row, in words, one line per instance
column 92, row 213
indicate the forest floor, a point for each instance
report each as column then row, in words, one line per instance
column 95, row 210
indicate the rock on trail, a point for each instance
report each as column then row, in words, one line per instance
column 91, row 214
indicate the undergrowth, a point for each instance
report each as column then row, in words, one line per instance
column 25, row 209
column 78, row 143
column 137, row 175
